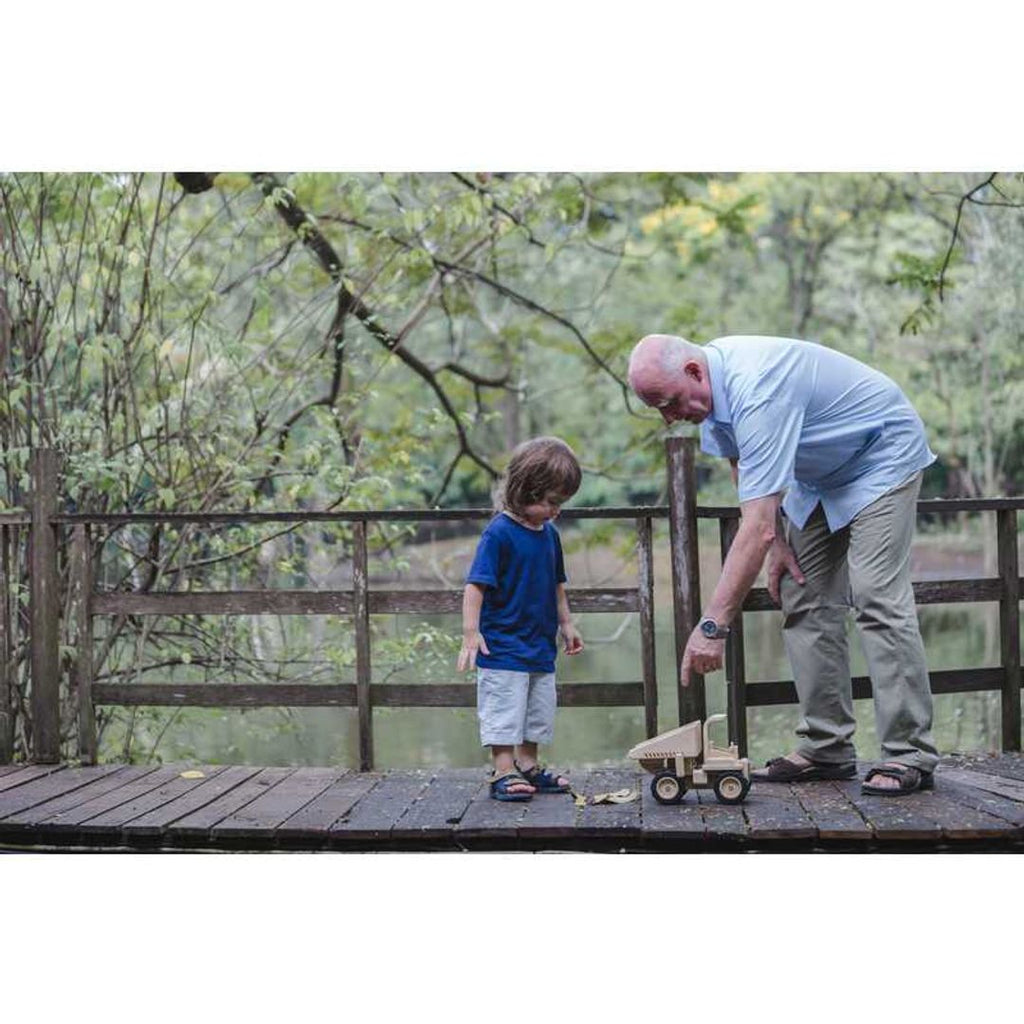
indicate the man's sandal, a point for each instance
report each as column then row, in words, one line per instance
column 544, row 779
column 500, row 787
column 910, row 779
column 781, row 769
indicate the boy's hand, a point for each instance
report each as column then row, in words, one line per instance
column 571, row 639
column 471, row 643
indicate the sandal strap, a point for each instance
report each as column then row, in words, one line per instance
column 908, row 777
column 540, row 771
column 508, row 778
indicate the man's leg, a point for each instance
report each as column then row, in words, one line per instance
column 883, row 597
column 814, row 630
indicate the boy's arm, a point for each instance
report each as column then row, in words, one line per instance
column 472, row 638
column 570, row 634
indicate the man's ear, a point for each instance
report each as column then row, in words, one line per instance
column 692, row 368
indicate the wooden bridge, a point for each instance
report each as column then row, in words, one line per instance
column 978, row 804
column 44, row 803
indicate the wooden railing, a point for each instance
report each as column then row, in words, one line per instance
column 362, row 601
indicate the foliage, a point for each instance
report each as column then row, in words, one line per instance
column 343, row 341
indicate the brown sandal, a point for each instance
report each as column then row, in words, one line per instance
column 781, row 769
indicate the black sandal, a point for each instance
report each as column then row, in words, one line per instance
column 781, row 769
column 910, row 779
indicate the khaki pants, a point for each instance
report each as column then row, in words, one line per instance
column 866, row 566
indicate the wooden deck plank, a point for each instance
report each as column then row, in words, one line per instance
column 255, row 808
column 488, row 818
column 773, row 811
column 722, row 822
column 441, row 806
column 960, row 821
column 130, row 788
column 892, row 818
column 6, row 769
column 104, row 782
column 552, row 815
column 116, row 818
column 315, row 819
column 606, row 821
column 374, row 815
column 26, row 773
column 992, row 783
column 683, row 821
column 155, row 822
column 831, row 812
column 50, row 787
column 1010, row 811
column 259, row 819
column 195, row 827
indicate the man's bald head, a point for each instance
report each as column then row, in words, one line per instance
column 657, row 359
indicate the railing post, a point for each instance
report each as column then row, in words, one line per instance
column 44, row 607
column 682, row 498
column 1009, row 626
column 645, row 585
column 361, row 614
column 6, row 707
column 81, row 669
column 735, row 661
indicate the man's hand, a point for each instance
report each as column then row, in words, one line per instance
column 571, row 639
column 701, row 655
column 472, row 642
column 781, row 560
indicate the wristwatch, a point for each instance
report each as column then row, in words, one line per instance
column 712, row 630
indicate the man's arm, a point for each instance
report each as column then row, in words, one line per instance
column 752, row 543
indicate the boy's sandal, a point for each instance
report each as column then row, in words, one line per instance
column 500, row 787
column 781, row 769
column 910, row 779
column 544, row 779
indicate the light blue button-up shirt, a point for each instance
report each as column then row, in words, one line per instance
column 812, row 422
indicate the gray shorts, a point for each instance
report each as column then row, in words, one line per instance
column 515, row 707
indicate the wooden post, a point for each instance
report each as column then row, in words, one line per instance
column 682, row 498
column 735, row 660
column 1009, row 626
column 361, row 614
column 645, row 584
column 44, row 607
column 81, row 669
column 6, row 707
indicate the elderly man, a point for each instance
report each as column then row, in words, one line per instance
column 827, row 455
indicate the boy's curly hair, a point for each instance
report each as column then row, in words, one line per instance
column 536, row 468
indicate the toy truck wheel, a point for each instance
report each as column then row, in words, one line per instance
column 731, row 788
column 667, row 787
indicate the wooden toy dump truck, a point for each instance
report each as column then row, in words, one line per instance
column 674, row 758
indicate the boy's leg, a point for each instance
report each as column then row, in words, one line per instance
column 886, row 616
column 501, row 708
column 541, row 705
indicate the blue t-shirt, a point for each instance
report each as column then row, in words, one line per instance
column 520, row 570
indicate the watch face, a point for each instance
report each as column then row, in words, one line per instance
column 709, row 629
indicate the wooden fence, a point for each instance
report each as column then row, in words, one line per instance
column 362, row 601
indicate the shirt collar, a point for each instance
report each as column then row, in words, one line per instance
column 716, row 371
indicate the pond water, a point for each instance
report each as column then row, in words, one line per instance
column 956, row 636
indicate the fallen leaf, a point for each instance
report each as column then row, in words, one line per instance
column 619, row 796
column 193, row 773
